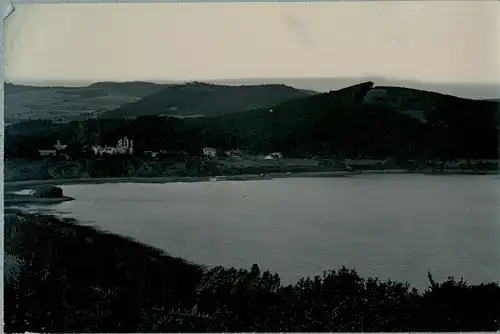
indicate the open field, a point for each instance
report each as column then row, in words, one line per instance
column 70, row 103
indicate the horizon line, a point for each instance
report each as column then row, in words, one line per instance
column 362, row 79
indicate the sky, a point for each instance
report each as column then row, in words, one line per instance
column 432, row 41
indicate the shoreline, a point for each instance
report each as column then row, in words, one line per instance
column 26, row 199
column 16, row 185
column 11, row 199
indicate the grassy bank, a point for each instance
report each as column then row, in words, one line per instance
column 78, row 279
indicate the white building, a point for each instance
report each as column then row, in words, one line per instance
column 274, row 156
column 234, row 154
column 119, row 147
column 209, row 152
column 45, row 153
column 110, row 150
column 124, row 146
column 59, row 147
column 277, row 155
column 97, row 150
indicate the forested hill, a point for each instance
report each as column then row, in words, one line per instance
column 416, row 102
column 333, row 123
column 357, row 121
column 205, row 99
column 131, row 88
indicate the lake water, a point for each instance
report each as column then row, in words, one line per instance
column 389, row 226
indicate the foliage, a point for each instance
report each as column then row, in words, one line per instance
column 77, row 279
column 49, row 192
column 17, row 147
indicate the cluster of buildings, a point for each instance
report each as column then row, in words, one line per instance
column 211, row 152
column 58, row 147
column 274, row 156
column 124, row 146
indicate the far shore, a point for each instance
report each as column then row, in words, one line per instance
column 25, row 184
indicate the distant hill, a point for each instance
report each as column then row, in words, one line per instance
column 482, row 91
column 134, row 88
column 465, row 90
column 206, row 99
column 70, row 103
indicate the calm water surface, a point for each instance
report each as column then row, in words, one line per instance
column 389, row 226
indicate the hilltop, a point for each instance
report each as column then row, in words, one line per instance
column 204, row 99
column 417, row 103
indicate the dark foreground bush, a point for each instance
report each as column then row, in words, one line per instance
column 77, row 279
